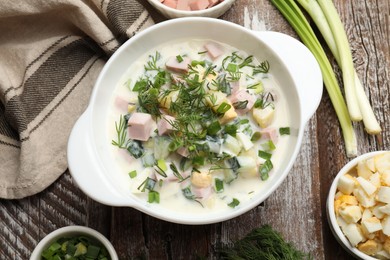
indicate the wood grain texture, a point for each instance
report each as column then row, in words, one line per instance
column 296, row 209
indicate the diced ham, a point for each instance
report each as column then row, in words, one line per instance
column 190, row 5
column 199, row 4
column 270, row 133
column 214, row 49
column 242, row 96
column 170, row 3
column 183, row 151
column 140, row 126
column 120, row 103
column 235, row 86
column 202, row 193
column 164, row 125
column 183, row 5
column 174, row 65
column 213, row 2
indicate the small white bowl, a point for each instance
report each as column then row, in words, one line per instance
column 71, row 231
column 335, row 228
column 213, row 12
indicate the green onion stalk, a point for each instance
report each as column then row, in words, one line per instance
column 314, row 9
column 293, row 14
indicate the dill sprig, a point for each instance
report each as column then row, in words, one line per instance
column 120, row 132
column 152, row 63
column 263, row 67
column 262, row 243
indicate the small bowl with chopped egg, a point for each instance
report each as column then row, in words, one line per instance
column 358, row 206
column 74, row 242
column 188, row 8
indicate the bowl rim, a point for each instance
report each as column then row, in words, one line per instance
column 207, row 11
column 335, row 228
column 72, row 230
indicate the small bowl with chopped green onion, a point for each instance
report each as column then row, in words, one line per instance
column 74, row 242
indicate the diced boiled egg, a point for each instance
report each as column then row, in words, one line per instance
column 264, row 116
column 372, row 224
column 346, row 184
column 365, row 200
column 367, row 213
column 351, row 214
column 363, row 170
column 382, row 163
column 383, row 194
column 370, row 247
column 386, row 226
column 353, row 233
column 375, row 179
column 377, row 212
column 385, row 209
column 367, row 186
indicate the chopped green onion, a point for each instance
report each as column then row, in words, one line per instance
column 133, row 174
column 256, row 136
column 264, row 155
column 214, row 128
column 75, row 248
column 235, row 202
column 223, row 108
column 231, row 129
column 284, row 130
column 198, row 160
column 194, row 63
column 218, row 185
column 179, row 58
column 232, row 67
column 162, row 165
column 265, row 169
column 269, row 145
column 153, row 197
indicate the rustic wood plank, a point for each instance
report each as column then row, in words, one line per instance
column 24, row 222
column 296, row 209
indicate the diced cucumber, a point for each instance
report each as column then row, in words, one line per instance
column 248, row 167
column 148, row 160
column 231, row 145
column 161, row 144
column 245, row 141
column 135, row 148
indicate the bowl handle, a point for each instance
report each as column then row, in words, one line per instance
column 85, row 169
column 307, row 75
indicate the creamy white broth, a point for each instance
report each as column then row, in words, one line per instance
column 244, row 188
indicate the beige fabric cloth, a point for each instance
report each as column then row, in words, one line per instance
column 51, row 52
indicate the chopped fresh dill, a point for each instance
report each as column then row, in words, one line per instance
column 152, row 63
column 263, row 67
column 120, row 132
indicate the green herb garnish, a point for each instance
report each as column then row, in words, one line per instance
column 77, row 248
column 235, row 202
column 262, row 243
column 284, row 130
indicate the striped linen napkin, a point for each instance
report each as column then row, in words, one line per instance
column 51, row 52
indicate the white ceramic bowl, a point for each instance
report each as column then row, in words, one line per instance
column 90, row 161
column 335, row 228
column 214, row 12
column 71, row 231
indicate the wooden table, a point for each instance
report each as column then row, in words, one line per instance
column 296, row 209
